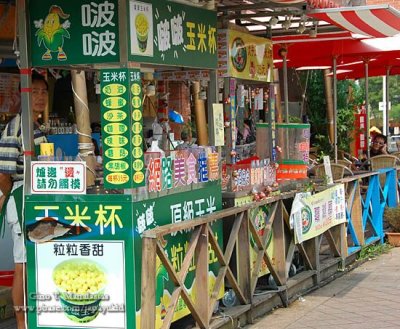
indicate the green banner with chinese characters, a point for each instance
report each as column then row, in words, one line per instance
column 116, row 123
column 137, row 128
column 168, row 33
column 170, row 209
column 79, row 260
column 73, row 32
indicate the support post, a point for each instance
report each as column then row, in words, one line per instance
column 85, row 144
column 26, row 85
column 148, row 307
column 386, row 130
column 244, row 275
column 335, row 108
column 202, row 297
column 367, row 106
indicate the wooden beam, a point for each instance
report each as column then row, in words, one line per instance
column 148, row 304
column 243, row 253
column 201, row 283
column 171, row 308
column 307, row 258
column 279, row 253
column 312, row 249
column 333, row 239
column 224, row 214
column 356, row 214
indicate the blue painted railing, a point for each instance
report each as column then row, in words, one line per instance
column 368, row 195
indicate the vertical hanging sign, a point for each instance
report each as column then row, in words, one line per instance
column 115, row 117
column 137, row 128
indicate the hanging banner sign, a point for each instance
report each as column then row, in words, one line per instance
column 244, row 56
column 73, row 32
column 168, row 33
column 312, row 215
column 186, row 167
column 58, row 177
column 219, row 128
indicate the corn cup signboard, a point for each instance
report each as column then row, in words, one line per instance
column 73, row 32
column 169, row 33
column 80, row 270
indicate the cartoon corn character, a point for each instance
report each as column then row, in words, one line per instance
column 52, row 33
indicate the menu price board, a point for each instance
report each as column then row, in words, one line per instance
column 115, row 116
column 137, row 129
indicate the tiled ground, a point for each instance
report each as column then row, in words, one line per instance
column 365, row 298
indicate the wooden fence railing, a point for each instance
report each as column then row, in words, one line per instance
column 242, row 277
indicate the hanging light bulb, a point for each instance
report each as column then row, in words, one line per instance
column 301, row 28
column 287, row 23
column 314, row 31
column 273, row 21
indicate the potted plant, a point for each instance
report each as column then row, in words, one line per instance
column 392, row 219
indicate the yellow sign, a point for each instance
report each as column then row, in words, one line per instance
column 114, row 102
column 136, row 89
column 312, row 215
column 117, row 166
column 138, row 177
column 137, row 128
column 114, row 89
column 116, row 153
column 116, row 141
column 136, row 102
column 137, row 152
column 115, row 115
column 117, row 178
column 137, row 115
column 137, row 140
column 138, row 165
column 250, row 57
column 115, row 128
column 47, row 149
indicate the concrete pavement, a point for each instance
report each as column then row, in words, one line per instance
column 366, row 298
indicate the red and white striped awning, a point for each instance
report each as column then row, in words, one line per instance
column 374, row 21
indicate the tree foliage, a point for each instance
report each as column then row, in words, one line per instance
column 350, row 96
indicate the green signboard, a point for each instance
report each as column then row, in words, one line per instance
column 122, row 124
column 115, row 118
column 137, row 128
column 168, row 33
column 80, row 269
column 169, row 209
column 73, row 32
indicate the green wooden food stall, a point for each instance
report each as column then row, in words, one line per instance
column 84, row 246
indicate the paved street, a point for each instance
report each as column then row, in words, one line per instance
column 365, row 298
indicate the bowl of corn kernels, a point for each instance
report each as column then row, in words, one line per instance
column 80, row 287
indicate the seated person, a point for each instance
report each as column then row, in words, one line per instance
column 378, row 145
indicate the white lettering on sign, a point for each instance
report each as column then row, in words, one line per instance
column 177, row 30
column 98, row 15
column 98, row 44
column 164, row 36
